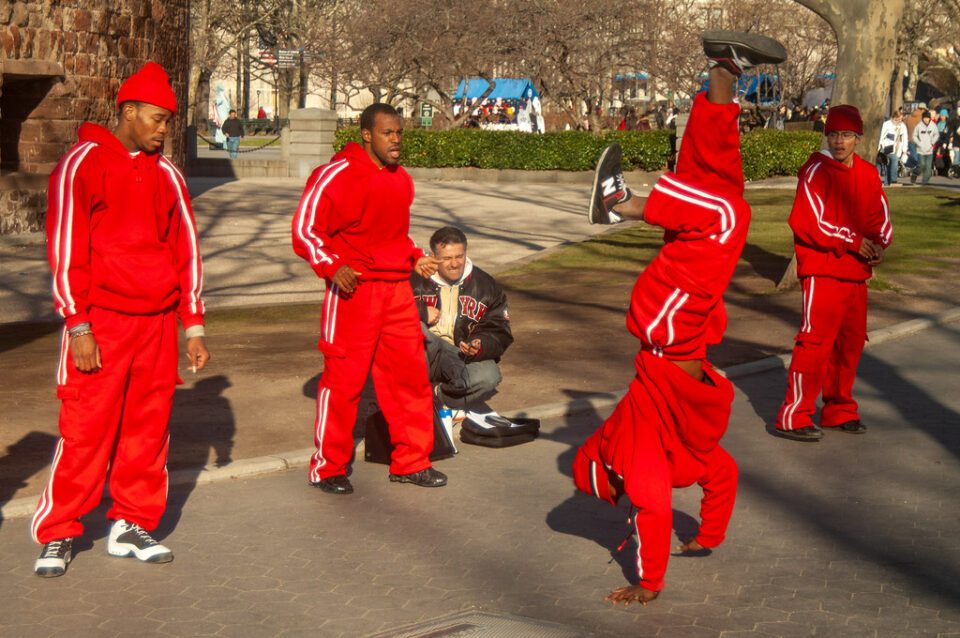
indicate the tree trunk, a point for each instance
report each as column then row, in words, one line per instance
column 866, row 33
column 201, row 100
column 789, row 281
column 913, row 68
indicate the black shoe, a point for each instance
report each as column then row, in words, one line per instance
column 810, row 433
column 54, row 558
column 739, row 52
column 609, row 188
column 852, row 427
column 338, row 484
column 424, row 478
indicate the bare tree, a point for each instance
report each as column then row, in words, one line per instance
column 866, row 32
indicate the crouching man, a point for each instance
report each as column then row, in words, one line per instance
column 463, row 312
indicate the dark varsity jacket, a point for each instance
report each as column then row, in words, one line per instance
column 482, row 312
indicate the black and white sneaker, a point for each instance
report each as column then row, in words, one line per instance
column 609, row 188
column 54, row 558
column 129, row 539
column 739, row 52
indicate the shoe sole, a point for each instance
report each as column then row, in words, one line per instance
column 50, row 572
column 766, row 47
column 327, row 490
column 396, row 478
column 596, row 183
column 786, row 434
column 128, row 552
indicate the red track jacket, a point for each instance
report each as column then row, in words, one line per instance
column 121, row 233
column 353, row 212
column 835, row 208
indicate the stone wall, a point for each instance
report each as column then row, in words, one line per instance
column 61, row 63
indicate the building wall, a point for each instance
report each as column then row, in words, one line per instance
column 61, row 63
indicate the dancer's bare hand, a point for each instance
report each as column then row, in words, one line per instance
column 632, row 594
column 346, row 279
column 85, row 353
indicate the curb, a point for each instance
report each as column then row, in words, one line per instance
column 25, row 506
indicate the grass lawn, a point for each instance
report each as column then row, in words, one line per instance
column 926, row 236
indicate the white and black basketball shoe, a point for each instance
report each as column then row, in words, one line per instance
column 54, row 558
column 129, row 539
column 609, row 188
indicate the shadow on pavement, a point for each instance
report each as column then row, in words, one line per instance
column 201, row 421
column 26, row 457
column 14, row 335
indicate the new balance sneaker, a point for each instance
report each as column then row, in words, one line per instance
column 54, row 558
column 129, row 539
column 609, row 188
column 739, row 52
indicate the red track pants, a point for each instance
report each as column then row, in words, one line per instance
column 377, row 325
column 116, row 417
column 826, row 354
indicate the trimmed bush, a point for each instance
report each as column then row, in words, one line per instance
column 765, row 153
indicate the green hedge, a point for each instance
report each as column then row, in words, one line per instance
column 765, row 153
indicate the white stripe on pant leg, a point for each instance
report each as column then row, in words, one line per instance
column 46, row 498
column 64, row 354
column 670, row 315
column 798, row 397
column 808, row 306
column 332, row 320
column 636, row 526
column 659, row 317
column 593, row 479
column 319, row 431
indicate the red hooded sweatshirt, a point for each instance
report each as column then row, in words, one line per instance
column 835, row 208
column 353, row 212
column 121, row 233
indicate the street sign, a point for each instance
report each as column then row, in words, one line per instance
column 267, row 57
column 426, row 110
column 288, row 58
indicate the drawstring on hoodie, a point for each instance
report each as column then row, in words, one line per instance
column 631, row 520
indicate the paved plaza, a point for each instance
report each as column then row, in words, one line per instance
column 853, row 536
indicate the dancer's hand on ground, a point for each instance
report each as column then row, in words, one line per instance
column 346, row 279
column 197, row 353
column 85, row 353
column 631, row 594
column 427, row 265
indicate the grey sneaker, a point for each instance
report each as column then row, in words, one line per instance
column 609, row 188
column 738, row 52
column 129, row 539
column 54, row 558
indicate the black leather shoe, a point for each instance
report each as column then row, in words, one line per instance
column 339, row 484
column 810, row 433
column 424, row 478
column 852, row 427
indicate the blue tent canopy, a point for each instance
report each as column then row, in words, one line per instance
column 506, row 88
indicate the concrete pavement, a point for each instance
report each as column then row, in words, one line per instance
column 245, row 238
column 852, row 536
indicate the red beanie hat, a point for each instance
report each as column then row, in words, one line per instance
column 149, row 85
column 843, row 117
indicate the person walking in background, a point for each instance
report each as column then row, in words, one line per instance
column 123, row 248
column 893, row 144
column 233, row 130
column 925, row 136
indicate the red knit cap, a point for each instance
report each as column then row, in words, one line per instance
column 149, row 85
column 843, row 117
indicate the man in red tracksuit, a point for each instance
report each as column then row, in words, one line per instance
column 665, row 432
column 841, row 227
column 122, row 244
column 352, row 228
